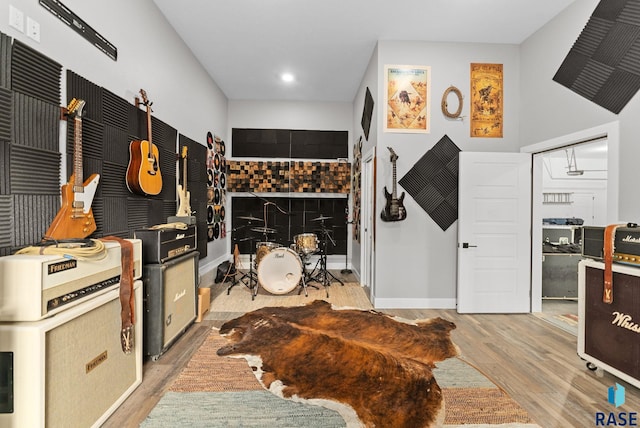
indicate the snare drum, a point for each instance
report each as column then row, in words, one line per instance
column 280, row 271
column 264, row 248
column 306, row 243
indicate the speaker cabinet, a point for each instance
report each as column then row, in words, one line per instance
column 170, row 300
column 69, row 370
column 608, row 333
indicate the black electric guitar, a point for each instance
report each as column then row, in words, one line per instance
column 393, row 209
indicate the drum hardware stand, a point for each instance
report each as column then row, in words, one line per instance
column 250, row 275
column 322, row 261
column 306, row 276
column 346, row 269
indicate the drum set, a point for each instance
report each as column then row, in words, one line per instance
column 279, row 269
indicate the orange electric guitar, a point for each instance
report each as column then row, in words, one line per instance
column 75, row 218
column 143, row 171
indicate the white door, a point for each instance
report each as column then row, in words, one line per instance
column 494, row 232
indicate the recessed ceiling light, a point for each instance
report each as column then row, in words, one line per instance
column 287, row 77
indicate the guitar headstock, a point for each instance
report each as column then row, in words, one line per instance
column 184, row 152
column 74, row 109
column 145, row 100
column 394, row 156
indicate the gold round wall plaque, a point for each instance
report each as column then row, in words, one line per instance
column 445, row 106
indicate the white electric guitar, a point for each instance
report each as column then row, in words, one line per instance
column 184, row 209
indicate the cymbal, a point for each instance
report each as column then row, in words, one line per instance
column 250, row 218
column 321, row 218
column 263, row 230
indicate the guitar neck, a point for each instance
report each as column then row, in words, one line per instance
column 149, row 127
column 77, row 156
column 184, row 174
column 394, row 192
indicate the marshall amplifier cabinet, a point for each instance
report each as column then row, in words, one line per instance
column 162, row 244
column 170, row 300
column 609, row 334
column 626, row 244
column 69, row 370
column 33, row 287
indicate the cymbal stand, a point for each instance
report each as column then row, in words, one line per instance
column 306, row 276
column 249, row 278
column 322, row 261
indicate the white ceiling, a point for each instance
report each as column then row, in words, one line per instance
column 246, row 44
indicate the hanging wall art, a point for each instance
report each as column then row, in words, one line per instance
column 407, row 93
column 486, row 100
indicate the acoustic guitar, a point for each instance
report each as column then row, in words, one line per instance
column 394, row 209
column 185, row 208
column 143, row 172
column 75, row 218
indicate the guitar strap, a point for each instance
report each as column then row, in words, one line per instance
column 127, row 296
column 609, row 248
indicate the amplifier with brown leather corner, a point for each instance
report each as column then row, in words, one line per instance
column 626, row 244
column 160, row 245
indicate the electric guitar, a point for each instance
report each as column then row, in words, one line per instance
column 143, row 171
column 185, row 208
column 394, row 209
column 75, row 218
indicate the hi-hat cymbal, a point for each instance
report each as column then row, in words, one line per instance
column 250, row 218
column 263, row 230
column 322, row 217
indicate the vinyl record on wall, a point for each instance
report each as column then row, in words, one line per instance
column 209, row 177
column 209, row 140
column 216, row 230
column 216, row 197
column 222, row 213
column 216, row 162
column 222, row 148
column 223, row 230
column 223, row 180
column 216, row 179
column 210, row 233
column 209, row 214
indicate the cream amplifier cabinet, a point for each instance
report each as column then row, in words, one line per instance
column 33, row 287
column 69, row 370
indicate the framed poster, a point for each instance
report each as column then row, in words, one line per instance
column 486, row 100
column 407, row 93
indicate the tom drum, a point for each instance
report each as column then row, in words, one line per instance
column 306, row 243
column 280, row 271
column 264, row 248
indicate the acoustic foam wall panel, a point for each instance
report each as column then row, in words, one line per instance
column 6, row 226
column 36, row 123
column 603, row 65
column 35, row 74
column 80, row 88
column 5, row 61
column 119, row 113
column 6, row 114
column 32, row 216
column 24, row 163
column 433, row 182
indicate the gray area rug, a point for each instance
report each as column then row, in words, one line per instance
column 238, row 409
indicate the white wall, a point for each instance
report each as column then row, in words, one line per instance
column 549, row 110
column 150, row 56
column 415, row 258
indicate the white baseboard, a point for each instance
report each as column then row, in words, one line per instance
column 408, row 303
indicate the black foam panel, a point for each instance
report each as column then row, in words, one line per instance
column 34, row 171
column 155, row 214
column 603, row 65
column 115, row 215
column 115, row 145
column 433, row 182
column 80, row 88
column 112, row 181
column 36, row 123
column 119, row 113
column 92, row 136
column 5, row 167
column 34, row 74
column 163, row 135
column 35, row 213
column 97, row 207
column 6, row 114
column 6, row 226
column 5, row 61
column 137, row 213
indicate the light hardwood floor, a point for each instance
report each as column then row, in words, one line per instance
column 533, row 361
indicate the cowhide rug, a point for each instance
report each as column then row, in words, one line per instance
column 373, row 365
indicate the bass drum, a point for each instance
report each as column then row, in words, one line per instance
column 280, row 271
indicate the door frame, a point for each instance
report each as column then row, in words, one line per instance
column 367, row 257
column 612, row 133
